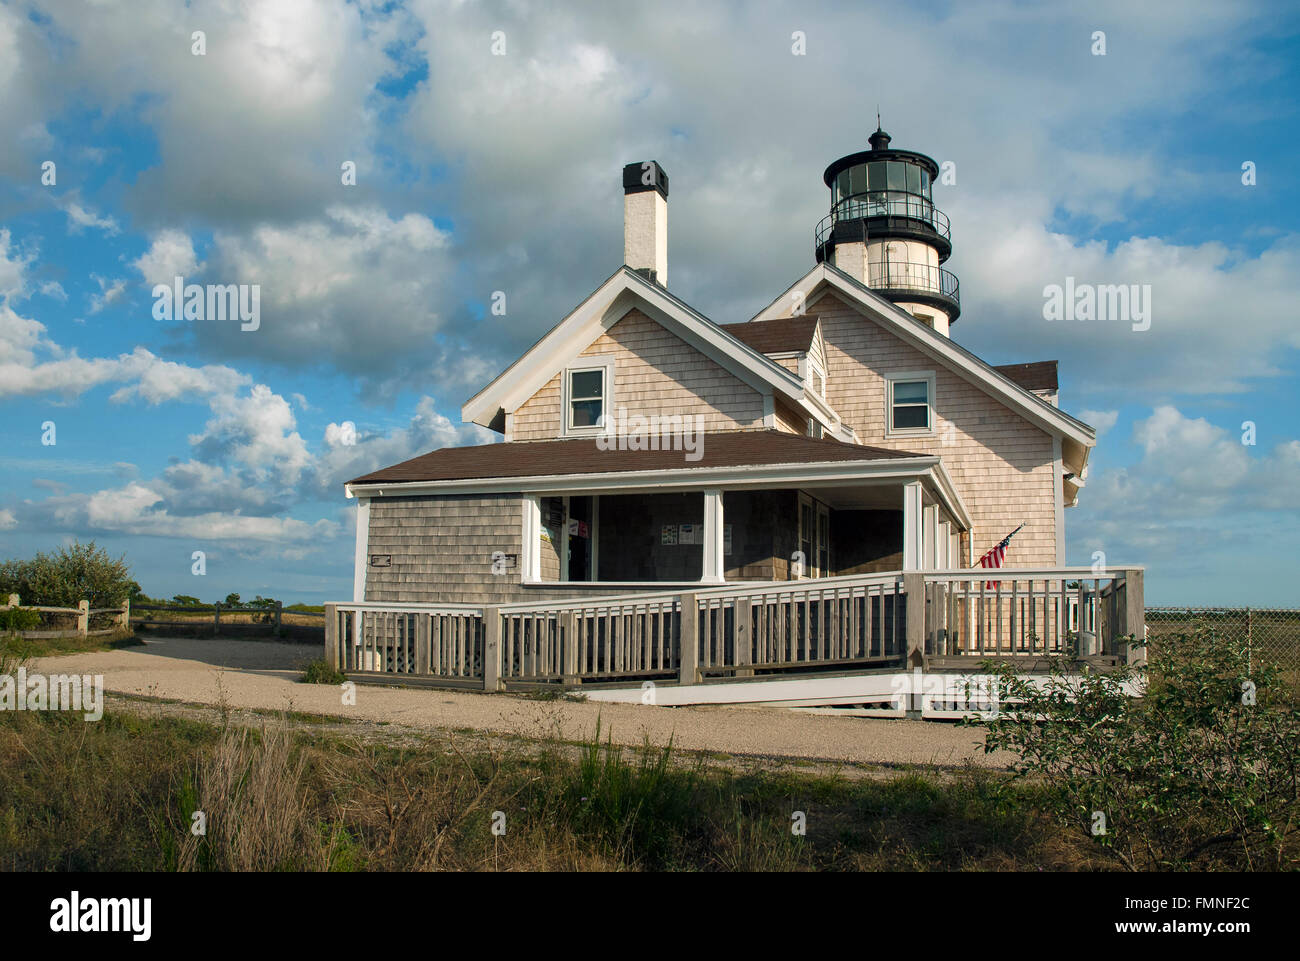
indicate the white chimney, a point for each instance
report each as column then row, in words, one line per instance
column 645, row 220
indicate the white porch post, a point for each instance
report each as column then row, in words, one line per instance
column 714, row 562
column 943, row 546
column 361, row 558
column 530, row 554
column 912, row 522
column 930, row 538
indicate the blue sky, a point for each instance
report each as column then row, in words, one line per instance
column 478, row 172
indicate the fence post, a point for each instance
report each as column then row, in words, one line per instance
column 332, row 636
column 125, row 616
column 914, row 592
column 1250, row 649
column 1135, row 617
column 279, row 610
column 83, row 617
column 743, row 643
column 216, row 618
column 491, row 649
column 569, row 625
column 688, row 659
column 12, row 602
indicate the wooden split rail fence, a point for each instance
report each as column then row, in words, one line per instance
column 121, row 617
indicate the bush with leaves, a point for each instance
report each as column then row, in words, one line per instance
column 67, row 576
column 1201, row 771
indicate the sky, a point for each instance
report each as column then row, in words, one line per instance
column 211, row 140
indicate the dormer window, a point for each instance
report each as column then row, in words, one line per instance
column 587, row 397
column 910, row 402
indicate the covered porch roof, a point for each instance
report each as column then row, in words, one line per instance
column 734, row 460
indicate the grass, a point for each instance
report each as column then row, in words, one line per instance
column 121, row 794
column 28, row 647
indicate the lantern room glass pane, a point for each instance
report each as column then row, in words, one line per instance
column 925, row 184
column 842, row 185
column 876, row 174
column 913, row 179
column 897, row 175
column 857, row 179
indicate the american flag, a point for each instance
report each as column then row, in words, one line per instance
column 995, row 555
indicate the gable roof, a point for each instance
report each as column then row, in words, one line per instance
column 607, row 305
column 1077, row 438
column 736, row 448
column 777, row 336
column 1038, row 375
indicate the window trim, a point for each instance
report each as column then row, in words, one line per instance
column 602, row 363
column 931, row 419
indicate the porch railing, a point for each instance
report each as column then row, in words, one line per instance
column 835, row 624
column 1077, row 612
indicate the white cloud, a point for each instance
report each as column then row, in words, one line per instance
column 256, row 430
column 7, row 519
column 109, row 293
column 1195, row 481
column 135, row 509
column 170, row 255
column 1101, row 420
column 54, row 290
column 79, row 218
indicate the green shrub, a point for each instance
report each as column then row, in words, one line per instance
column 67, row 576
column 319, row 672
column 19, row 619
column 1198, row 772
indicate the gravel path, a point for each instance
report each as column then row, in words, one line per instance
column 260, row 675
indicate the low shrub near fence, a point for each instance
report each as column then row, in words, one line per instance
column 39, row 621
column 1270, row 636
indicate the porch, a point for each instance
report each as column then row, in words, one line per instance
column 897, row 642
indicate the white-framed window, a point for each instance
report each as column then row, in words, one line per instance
column 588, row 396
column 909, row 403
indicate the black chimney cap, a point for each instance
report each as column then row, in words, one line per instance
column 645, row 176
column 879, row 140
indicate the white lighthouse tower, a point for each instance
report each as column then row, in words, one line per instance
column 884, row 230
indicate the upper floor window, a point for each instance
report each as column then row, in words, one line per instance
column 910, row 402
column 587, row 392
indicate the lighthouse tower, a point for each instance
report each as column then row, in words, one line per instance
column 884, row 230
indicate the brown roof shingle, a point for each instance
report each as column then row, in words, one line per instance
column 742, row 448
column 775, row 336
column 1040, row 375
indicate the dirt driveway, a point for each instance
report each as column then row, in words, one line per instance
column 260, row 675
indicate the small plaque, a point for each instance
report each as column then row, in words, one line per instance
column 381, row 560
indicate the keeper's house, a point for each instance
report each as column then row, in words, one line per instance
column 840, row 431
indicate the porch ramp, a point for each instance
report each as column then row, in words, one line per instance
column 889, row 644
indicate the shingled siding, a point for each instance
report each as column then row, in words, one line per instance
column 442, row 548
column 1000, row 463
column 655, row 372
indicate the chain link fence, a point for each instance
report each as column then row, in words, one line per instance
column 1271, row 634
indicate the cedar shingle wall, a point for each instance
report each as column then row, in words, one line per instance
column 442, row 548
column 655, row 372
column 1000, row 463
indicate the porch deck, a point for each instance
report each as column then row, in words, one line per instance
column 845, row 640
